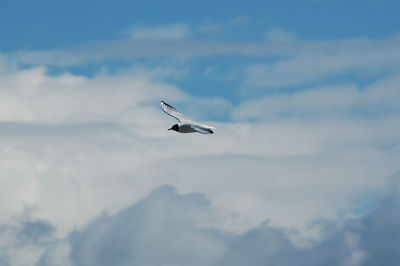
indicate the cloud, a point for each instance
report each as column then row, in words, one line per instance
column 378, row 231
column 163, row 32
column 283, row 61
column 314, row 61
column 155, row 231
column 32, row 96
column 128, row 49
column 74, row 146
column 179, row 41
column 166, row 228
column 224, row 29
column 73, row 164
column 56, row 254
column 35, row 231
column 23, row 240
column 64, row 136
column 278, row 35
column 311, row 102
column 378, row 99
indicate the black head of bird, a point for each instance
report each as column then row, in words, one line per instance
column 174, row 127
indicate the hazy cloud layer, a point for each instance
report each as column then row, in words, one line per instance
column 165, row 32
column 315, row 61
column 377, row 100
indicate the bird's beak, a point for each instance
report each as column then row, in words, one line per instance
column 169, row 129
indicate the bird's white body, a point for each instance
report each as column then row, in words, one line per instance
column 185, row 125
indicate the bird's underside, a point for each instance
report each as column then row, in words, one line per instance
column 186, row 129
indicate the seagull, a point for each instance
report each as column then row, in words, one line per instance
column 185, row 125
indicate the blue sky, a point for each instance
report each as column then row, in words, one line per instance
column 303, row 165
column 49, row 24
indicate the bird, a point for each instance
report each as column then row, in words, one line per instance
column 185, row 125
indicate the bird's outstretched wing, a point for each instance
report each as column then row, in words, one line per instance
column 168, row 109
column 202, row 129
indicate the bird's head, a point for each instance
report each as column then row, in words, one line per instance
column 174, row 127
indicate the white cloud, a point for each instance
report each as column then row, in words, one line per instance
column 74, row 146
column 313, row 61
column 312, row 102
column 378, row 99
column 32, row 96
column 129, row 49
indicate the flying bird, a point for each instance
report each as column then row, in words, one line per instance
column 185, row 125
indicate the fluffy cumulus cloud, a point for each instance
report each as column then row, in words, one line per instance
column 311, row 161
column 167, row 228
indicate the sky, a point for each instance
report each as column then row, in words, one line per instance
column 303, row 167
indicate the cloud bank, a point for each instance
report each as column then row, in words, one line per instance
column 167, row 228
column 312, row 133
